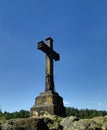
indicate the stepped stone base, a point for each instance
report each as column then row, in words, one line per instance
column 48, row 102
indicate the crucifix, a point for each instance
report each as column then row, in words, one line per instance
column 50, row 56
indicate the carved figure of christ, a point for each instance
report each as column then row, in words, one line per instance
column 50, row 56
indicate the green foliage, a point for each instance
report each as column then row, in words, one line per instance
column 24, row 114
column 70, row 111
column 84, row 113
column 1, row 114
column 20, row 114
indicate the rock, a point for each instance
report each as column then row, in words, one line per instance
column 33, row 123
column 55, row 123
column 73, row 123
column 86, row 124
column 24, row 124
column 67, row 122
column 100, row 120
column 104, row 126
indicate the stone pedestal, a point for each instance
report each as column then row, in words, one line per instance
column 49, row 102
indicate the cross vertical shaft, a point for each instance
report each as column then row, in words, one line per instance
column 50, row 56
column 49, row 81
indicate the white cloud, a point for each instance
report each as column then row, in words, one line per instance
column 100, row 104
column 66, row 103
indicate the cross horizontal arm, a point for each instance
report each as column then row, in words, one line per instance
column 49, row 51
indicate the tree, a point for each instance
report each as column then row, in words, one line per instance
column 84, row 113
column 24, row 114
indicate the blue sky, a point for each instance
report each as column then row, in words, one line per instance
column 79, row 31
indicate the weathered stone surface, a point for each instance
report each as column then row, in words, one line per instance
column 43, row 123
column 73, row 123
column 48, row 103
column 67, row 122
column 100, row 120
column 55, row 123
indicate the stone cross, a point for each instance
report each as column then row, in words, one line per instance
column 50, row 56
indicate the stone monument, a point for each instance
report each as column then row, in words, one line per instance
column 49, row 101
